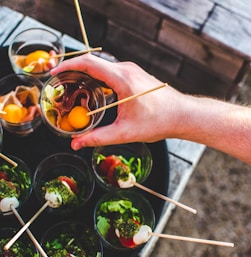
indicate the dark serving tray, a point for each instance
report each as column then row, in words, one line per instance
column 42, row 143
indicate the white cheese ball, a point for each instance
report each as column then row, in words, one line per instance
column 54, row 199
column 127, row 183
column 143, row 235
column 7, row 202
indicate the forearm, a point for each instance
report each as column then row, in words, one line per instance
column 217, row 124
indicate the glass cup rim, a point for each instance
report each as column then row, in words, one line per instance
column 126, row 145
column 27, row 124
column 46, row 30
column 29, row 191
column 87, row 169
column 131, row 194
column 59, row 130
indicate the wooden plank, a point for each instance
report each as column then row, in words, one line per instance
column 241, row 7
column 192, row 13
column 186, row 150
column 229, row 29
column 28, row 23
column 180, row 172
column 9, row 19
column 201, row 51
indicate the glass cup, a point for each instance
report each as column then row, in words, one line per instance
column 114, row 163
column 16, row 183
column 66, row 98
column 31, row 52
column 19, row 99
column 23, row 247
column 117, row 208
column 72, row 239
column 65, row 174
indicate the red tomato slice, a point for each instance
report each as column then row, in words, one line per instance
column 127, row 242
column 106, row 164
column 71, row 182
column 3, row 175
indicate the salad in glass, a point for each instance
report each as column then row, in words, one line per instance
column 123, row 219
column 119, row 166
column 72, row 239
column 15, row 184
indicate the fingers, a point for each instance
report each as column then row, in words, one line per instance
column 96, row 67
column 106, row 135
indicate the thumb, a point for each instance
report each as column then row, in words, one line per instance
column 101, row 136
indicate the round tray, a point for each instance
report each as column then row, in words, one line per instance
column 42, row 143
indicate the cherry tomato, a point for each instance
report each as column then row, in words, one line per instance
column 106, row 164
column 71, row 182
column 127, row 242
column 3, row 175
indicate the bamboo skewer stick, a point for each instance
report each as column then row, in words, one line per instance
column 125, row 100
column 4, row 157
column 82, row 26
column 3, row 112
column 33, row 239
column 196, row 240
column 95, row 49
column 164, row 197
column 20, row 232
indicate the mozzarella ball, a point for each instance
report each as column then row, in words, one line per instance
column 54, row 199
column 143, row 235
column 127, row 183
column 7, row 202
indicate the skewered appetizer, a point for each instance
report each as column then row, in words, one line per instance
column 20, row 105
column 118, row 171
column 37, row 62
column 61, row 191
column 120, row 222
column 66, row 106
column 14, row 186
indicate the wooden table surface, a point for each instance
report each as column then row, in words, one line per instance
column 183, row 155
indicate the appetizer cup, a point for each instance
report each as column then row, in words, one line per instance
column 31, row 52
column 19, row 100
column 66, row 98
column 15, row 184
column 118, row 216
column 21, row 248
column 72, row 239
column 116, row 166
column 65, row 180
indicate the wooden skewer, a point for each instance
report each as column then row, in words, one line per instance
column 20, row 232
column 3, row 112
column 196, row 240
column 125, row 100
column 33, row 239
column 164, row 197
column 4, row 157
column 82, row 26
column 95, row 49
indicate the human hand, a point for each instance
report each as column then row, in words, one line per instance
column 143, row 119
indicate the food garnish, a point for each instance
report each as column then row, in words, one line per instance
column 20, row 105
column 61, row 191
column 118, row 171
column 13, row 186
column 18, row 249
column 120, row 223
column 66, row 107
column 37, row 62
